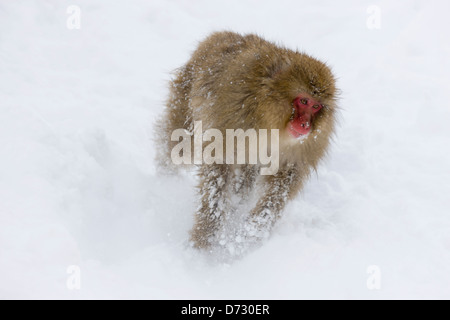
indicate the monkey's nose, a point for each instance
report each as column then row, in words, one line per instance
column 304, row 125
column 304, row 128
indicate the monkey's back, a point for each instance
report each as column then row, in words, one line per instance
column 225, row 74
column 215, row 55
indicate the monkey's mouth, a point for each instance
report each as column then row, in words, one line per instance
column 295, row 132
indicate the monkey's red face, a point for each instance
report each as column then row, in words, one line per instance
column 304, row 109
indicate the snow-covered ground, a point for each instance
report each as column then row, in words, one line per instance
column 78, row 184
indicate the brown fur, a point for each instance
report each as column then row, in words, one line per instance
column 234, row 81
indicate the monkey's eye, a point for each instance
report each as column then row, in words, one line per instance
column 316, row 106
column 304, row 101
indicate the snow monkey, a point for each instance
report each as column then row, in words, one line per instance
column 245, row 82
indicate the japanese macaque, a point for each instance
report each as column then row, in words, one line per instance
column 245, row 82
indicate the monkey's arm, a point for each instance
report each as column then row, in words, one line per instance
column 214, row 204
column 279, row 189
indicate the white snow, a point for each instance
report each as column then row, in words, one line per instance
column 79, row 186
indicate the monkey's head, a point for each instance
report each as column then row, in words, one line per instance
column 304, row 111
column 303, row 89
